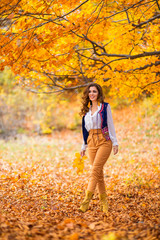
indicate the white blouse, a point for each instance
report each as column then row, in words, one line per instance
column 94, row 122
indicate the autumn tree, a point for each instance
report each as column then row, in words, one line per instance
column 61, row 45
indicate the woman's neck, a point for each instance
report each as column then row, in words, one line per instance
column 94, row 104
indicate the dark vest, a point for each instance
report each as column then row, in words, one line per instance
column 104, row 125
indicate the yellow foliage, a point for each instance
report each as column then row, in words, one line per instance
column 78, row 162
column 93, row 40
column 109, row 236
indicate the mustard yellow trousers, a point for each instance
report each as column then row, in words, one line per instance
column 99, row 150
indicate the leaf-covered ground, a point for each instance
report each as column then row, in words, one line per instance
column 40, row 191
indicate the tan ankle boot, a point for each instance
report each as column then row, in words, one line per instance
column 85, row 204
column 103, row 202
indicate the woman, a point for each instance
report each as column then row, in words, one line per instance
column 99, row 136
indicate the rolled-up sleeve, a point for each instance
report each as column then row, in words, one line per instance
column 111, row 129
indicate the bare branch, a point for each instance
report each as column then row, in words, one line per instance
column 81, row 67
column 73, row 10
column 151, row 84
column 149, row 20
column 158, row 4
column 124, row 56
column 59, row 91
column 127, row 15
column 144, row 67
column 91, row 58
column 25, row 46
column 94, row 43
column 96, row 17
column 124, row 10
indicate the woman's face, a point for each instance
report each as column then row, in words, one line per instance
column 93, row 93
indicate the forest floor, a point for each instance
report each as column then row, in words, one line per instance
column 40, row 190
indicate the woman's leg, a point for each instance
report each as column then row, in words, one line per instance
column 92, row 153
column 101, row 155
column 99, row 150
column 101, row 183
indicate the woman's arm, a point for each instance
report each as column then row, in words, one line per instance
column 83, row 149
column 111, row 129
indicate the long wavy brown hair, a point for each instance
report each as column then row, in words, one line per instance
column 86, row 100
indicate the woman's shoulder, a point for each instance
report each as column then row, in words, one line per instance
column 105, row 107
column 105, row 103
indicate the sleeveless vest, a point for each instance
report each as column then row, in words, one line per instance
column 104, row 125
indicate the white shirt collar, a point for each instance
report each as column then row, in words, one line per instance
column 99, row 107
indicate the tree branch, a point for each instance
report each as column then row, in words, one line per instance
column 60, row 91
column 73, row 10
column 91, row 58
column 124, row 56
column 149, row 20
column 96, row 17
column 25, row 46
column 150, row 84
column 144, row 67
column 94, row 43
column 127, row 15
column 158, row 4
column 124, row 10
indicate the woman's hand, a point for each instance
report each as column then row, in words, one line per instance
column 115, row 149
column 82, row 152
